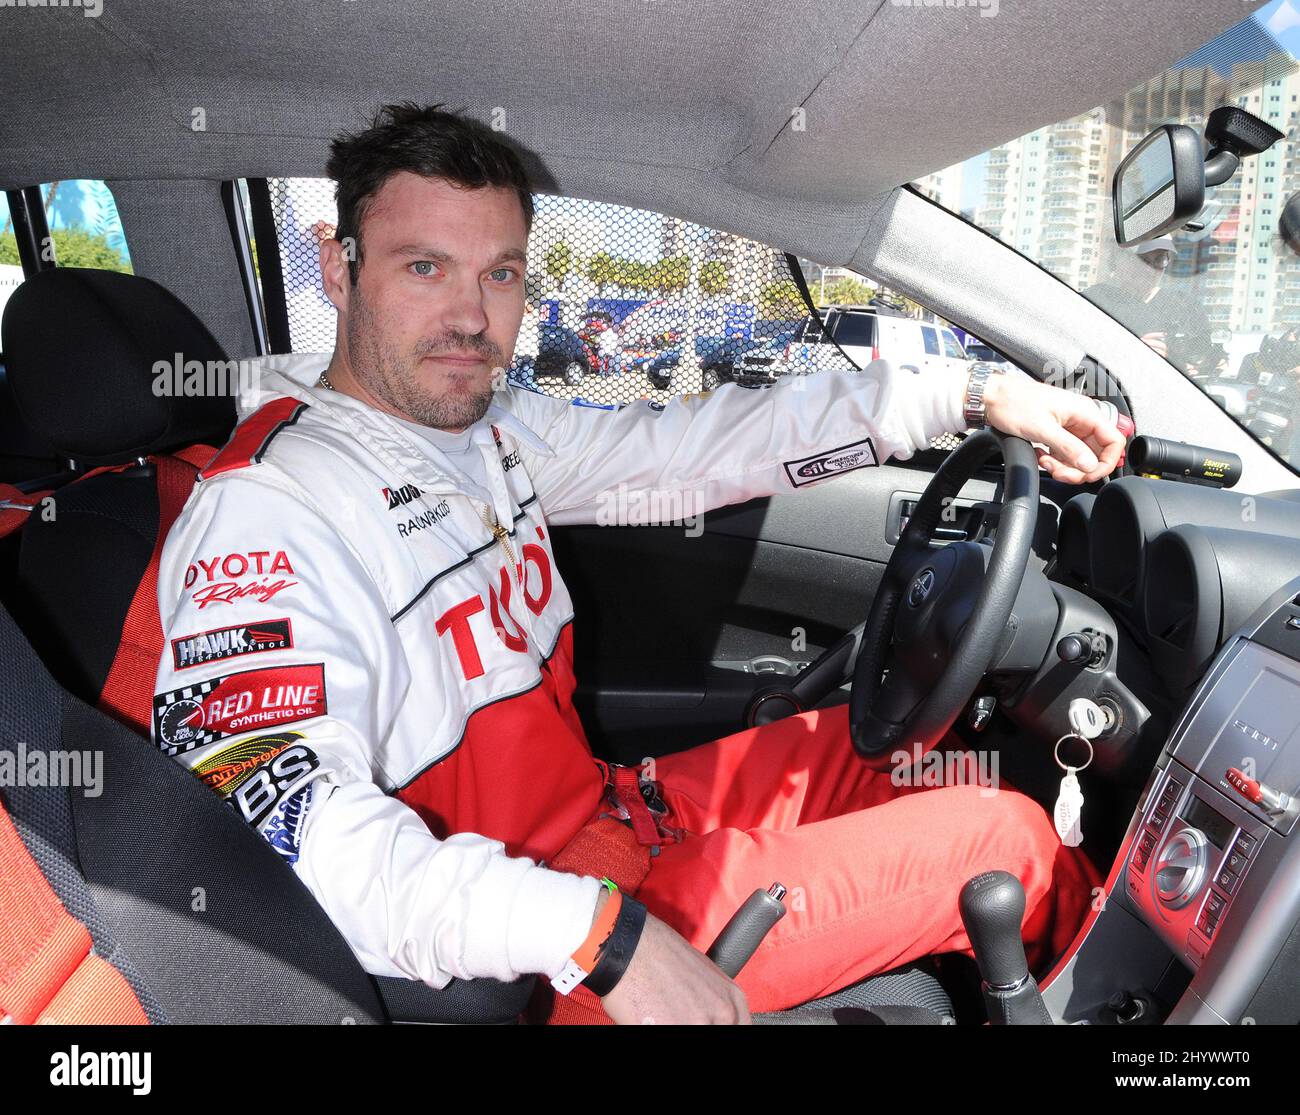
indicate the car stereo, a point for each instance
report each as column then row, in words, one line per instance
column 1210, row 841
column 1245, row 737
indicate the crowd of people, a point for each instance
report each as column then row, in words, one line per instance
column 1169, row 315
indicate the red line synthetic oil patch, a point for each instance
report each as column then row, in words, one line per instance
column 226, row 770
column 231, row 642
column 208, row 711
column 806, row 470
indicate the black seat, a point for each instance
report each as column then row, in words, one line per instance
column 204, row 919
column 249, row 944
column 81, row 346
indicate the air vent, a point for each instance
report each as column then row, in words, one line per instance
column 1115, row 542
column 1171, row 598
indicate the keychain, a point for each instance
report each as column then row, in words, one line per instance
column 1068, row 814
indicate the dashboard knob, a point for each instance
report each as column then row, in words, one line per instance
column 1180, row 867
column 1075, row 649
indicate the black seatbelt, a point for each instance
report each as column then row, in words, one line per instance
column 796, row 273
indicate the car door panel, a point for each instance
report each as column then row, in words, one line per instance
column 676, row 627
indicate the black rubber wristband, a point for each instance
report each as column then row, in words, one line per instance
column 616, row 953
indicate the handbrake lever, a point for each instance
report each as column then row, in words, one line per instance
column 742, row 935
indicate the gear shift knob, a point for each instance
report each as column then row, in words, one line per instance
column 992, row 907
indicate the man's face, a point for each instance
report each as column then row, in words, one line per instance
column 439, row 297
column 1157, row 260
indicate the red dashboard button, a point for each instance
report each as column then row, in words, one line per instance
column 1246, row 787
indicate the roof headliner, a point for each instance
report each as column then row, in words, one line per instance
column 679, row 107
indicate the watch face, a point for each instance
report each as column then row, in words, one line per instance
column 181, row 722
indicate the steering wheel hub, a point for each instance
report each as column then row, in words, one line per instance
column 939, row 616
column 921, row 587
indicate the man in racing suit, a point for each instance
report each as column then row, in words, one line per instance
column 368, row 645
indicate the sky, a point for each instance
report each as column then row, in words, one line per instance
column 1282, row 19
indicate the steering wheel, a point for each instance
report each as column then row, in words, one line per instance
column 942, row 616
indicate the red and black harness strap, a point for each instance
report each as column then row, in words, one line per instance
column 127, row 695
column 128, row 689
column 48, row 973
column 619, row 846
column 608, row 847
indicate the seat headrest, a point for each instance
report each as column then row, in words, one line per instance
column 80, row 347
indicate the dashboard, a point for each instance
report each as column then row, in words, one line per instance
column 1149, row 579
column 1202, row 920
column 1179, row 565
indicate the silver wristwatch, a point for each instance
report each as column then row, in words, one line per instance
column 972, row 411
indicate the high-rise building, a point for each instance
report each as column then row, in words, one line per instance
column 946, row 187
column 1043, row 195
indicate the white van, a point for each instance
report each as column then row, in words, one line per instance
column 865, row 334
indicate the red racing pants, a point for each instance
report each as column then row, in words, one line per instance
column 872, row 869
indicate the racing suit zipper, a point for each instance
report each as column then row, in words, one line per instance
column 515, row 572
column 501, row 535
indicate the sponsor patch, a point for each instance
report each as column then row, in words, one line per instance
column 425, row 519
column 225, row 771
column 397, row 497
column 217, row 580
column 208, row 711
column 859, row 454
column 274, row 783
column 283, row 831
column 231, row 642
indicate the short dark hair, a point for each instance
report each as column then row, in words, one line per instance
column 423, row 140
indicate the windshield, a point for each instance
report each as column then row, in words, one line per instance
column 1221, row 302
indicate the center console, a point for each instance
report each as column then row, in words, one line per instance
column 1201, row 908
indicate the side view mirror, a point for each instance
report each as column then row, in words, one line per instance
column 1160, row 185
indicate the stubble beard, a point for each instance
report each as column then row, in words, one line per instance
column 389, row 375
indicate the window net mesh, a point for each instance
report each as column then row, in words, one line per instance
column 625, row 304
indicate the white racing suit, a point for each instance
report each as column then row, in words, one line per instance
column 381, row 684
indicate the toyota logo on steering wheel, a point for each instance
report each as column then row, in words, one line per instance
column 920, row 588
